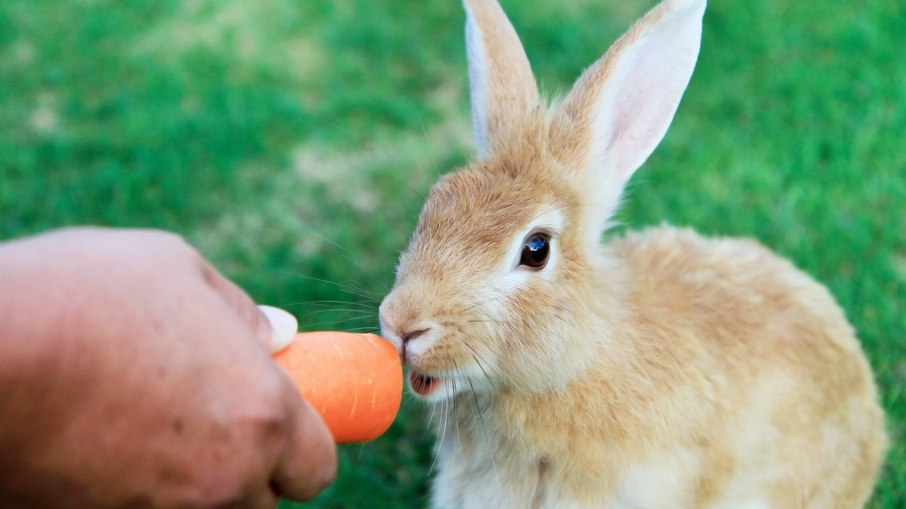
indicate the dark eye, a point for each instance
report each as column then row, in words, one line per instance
column 536, row 251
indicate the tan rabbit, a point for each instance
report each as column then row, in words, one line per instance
column 658, row 370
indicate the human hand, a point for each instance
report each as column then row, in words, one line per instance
column 133, row 374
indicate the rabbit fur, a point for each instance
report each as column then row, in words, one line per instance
column 660, row 369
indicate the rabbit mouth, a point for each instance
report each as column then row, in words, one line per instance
column 423, row 385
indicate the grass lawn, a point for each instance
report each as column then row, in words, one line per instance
column 293, row 142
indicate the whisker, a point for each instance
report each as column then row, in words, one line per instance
column 303, row 308
column 344, row 312
column 477, row 405
column 443, row 432
column 297, row 275
column 340, row 327
column 345, row 252
column 507, row 322
column 455, row 396
column 476, row 356
column 345, row 324
column 431, row 417
column 347, row 288
column 424, row 173
column 482, row 302
column 333, row 302
column 372, row 330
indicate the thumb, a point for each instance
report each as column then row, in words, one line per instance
column 273, row 327
column 283, row 327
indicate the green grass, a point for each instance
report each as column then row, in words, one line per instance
column 293, row 141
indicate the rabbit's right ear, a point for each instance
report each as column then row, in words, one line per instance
column 620, row 108
column 502, row 85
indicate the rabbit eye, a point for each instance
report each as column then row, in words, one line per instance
column 536, row 251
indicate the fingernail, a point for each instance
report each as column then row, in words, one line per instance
column 284, row 326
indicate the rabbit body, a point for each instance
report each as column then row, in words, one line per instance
column 660, row 369
column 730, row 379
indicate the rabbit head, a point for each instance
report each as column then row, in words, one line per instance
column 504, row 283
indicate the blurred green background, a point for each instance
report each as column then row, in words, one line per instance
column 293, row 141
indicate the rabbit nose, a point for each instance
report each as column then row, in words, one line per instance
column 406, row 337
column 409, row 336
column 405, row 331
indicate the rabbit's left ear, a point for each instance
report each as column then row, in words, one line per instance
column 501, row 82
column 620, row 108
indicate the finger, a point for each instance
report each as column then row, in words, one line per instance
column 284, row 327
column 266, row 499
column 261, row 497
column 308, row 463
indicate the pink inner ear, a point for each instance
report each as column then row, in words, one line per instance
column 502, row 85
column 643, row 95
column 621, row 107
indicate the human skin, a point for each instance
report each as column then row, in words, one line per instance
column 133, row 374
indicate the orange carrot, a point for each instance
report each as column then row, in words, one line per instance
column 354, row 381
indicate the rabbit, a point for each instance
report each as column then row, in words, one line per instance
column 656, row 369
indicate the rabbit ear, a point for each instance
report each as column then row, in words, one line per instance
column 501, row 81
column 620, row 108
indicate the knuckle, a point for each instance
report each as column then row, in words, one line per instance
column 267, row 420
